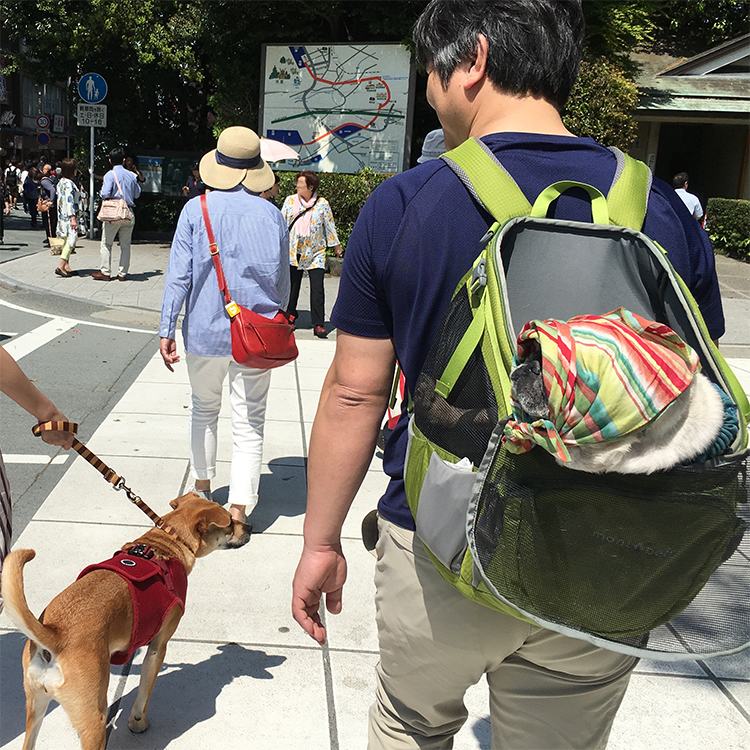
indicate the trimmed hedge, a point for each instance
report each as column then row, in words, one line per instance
column 728, row 224
column 157, row 213
column 346, row 193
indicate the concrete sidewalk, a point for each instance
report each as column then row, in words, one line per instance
column 239, row 672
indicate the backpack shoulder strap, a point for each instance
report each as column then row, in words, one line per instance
column 628, row 196
column 487, row 180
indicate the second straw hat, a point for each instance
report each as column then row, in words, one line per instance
column 236, row 159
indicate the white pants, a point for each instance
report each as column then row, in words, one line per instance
column 109, row 233
column 248, row 392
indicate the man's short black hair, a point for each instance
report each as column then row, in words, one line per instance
column 679, row 180
column 116, row 156
column 534, row 46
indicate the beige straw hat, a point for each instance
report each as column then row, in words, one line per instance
column 236, row 159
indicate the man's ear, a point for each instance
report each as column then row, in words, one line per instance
column 478, row 65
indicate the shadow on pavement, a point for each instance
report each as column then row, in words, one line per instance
column 185, row 694
column 283, row 492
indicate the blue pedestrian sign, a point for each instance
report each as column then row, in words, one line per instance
column 92, row 88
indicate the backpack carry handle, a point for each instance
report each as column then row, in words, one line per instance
column 599, row 210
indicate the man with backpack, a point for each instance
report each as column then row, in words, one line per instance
column 499, row 71
column 12, row 177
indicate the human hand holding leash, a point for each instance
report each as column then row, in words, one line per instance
column 16, row 385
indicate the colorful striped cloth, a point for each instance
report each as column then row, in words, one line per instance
column 606, row 376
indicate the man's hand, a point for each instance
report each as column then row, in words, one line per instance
column 168, row 351
column 320, row 571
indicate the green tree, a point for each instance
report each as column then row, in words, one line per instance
column 601, row 104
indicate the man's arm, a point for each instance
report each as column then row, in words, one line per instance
column 351, row 407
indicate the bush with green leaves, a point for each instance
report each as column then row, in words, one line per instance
column 346, row 193
column 157, row 213
column 728, row 223
column 601, row 104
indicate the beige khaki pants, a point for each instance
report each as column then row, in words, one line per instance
column 547, row 691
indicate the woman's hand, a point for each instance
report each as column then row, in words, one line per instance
column 168, row 351
column 337, row 251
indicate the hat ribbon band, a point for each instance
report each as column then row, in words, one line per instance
column 231, row 161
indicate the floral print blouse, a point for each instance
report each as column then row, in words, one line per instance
column 68, row 204
column 311, row 249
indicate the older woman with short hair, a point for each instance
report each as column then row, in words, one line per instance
column 311, row 230
column 68, row 215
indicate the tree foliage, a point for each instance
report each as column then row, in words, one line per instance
column 601, row 104
column 181, row 70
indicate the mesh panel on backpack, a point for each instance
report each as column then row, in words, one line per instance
column 638, row 560
column 456, row 424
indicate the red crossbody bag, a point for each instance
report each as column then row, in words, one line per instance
column 257, row 342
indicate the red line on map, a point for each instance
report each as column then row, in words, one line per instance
column 343, row 83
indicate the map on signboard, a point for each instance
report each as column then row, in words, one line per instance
column 342, row 107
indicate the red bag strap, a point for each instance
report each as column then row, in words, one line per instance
column 214, row 249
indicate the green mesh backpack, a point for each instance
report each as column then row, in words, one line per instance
column 651, row 565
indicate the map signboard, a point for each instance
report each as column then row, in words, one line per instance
column 342, row 107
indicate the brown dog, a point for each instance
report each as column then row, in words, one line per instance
column 92, row 621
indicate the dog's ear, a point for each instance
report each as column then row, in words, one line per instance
column 216, row 516
column 177, row 502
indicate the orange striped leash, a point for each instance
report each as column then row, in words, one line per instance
column 114, row 479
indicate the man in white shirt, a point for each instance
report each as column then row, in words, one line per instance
column 680, row 183
column 21, row 180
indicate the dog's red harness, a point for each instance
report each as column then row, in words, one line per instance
column 156, row 586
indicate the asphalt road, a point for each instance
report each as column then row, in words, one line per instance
column 84, row 367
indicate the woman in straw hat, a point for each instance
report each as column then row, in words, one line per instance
column 253, row 244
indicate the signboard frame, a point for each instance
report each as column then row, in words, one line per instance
column 410, row 97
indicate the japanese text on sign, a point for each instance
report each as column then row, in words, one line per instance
column 92, row 115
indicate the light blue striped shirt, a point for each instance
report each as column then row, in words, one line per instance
column 128, row 182
column 254, row 249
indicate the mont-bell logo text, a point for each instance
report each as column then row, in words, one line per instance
column 630, row 544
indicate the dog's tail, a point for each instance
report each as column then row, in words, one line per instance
column 15, row 603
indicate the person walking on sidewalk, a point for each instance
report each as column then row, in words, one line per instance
column 311, row 228
column 31, row 194
column 252, row 241
column 12, row 180
column 48, row 196
column 69, row 211
column 500, row 71
column 119, row 182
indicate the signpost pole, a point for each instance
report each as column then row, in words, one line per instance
column 92, row 88
column 91, row 186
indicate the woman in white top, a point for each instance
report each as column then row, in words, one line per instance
column 68, row 213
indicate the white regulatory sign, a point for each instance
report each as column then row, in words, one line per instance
column 92, row 115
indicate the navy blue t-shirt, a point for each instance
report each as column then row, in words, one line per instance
column 419, row 233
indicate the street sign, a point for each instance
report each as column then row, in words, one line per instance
column 92, row 115
column 43, row 139
column 42, row 122
column 92, row 88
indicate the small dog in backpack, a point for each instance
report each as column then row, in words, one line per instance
column 136, row 598
column 615, row 393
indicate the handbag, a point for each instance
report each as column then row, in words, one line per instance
column 257, row 341
column 114, row 211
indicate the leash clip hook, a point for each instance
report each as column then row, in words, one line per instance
column 131, row 495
